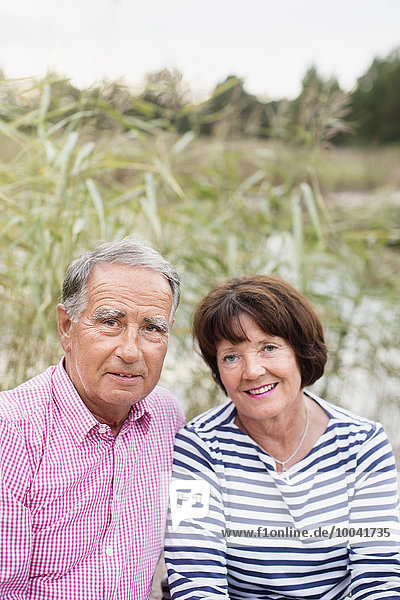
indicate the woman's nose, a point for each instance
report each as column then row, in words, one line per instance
column 253, row 366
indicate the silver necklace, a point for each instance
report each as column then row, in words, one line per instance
column 283, row 463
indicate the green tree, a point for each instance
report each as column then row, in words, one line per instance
column 231, row 112
column 163, row 98
column 316, row 116
column 376, row 101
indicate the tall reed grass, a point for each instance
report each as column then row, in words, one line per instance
column 83, row 172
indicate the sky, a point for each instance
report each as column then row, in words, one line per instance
column 269, row 43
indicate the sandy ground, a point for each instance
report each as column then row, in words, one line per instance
column 359, row 199
column 159, row 575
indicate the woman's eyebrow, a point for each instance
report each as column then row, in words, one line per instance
column 108, row 313
column 225, row 349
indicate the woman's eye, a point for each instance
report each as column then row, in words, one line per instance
column 229, row 358
column 270, row 347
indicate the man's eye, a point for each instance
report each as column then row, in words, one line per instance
column 155, row 329
column 111, row 322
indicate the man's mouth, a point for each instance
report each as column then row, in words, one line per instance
column 124, row 375
column 262, row 390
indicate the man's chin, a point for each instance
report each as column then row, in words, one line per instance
column 126, row 395
column 124, row 398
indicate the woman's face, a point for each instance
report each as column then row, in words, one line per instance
column 261, row 376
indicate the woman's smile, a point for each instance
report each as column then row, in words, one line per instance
column 261, row 391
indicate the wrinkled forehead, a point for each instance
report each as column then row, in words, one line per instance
column 136, row 278
column 124, row 285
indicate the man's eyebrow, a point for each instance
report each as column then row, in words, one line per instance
column 157, row 322
column 108, row 313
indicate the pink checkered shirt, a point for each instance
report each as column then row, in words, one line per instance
column 82, row 513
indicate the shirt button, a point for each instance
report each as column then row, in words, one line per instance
column 109, row 551
column 103, row 428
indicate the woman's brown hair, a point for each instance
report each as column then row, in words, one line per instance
column 275, row 306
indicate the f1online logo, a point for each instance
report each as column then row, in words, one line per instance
column 189, row 500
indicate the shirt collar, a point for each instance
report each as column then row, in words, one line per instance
column 78, row 417
column 142, row 412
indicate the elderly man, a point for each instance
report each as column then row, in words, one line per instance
column 86, row 447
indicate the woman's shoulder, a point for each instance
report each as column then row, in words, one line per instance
column 340, row 414
column 348, row 425
column 216, row 417
column 211, row 426
column 201, row 440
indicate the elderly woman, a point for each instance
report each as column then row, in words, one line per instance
column 278, row 494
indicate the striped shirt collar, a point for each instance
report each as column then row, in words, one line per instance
column 78, row 417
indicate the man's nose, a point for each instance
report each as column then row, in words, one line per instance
column 128, row 347
column 253, row 366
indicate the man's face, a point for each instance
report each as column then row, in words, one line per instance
column 115, row 352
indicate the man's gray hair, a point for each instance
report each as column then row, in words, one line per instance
column 128, row 251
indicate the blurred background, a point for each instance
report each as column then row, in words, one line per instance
column 233, row 137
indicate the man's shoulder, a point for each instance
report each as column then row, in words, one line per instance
column 28, row 399
column 163, row 404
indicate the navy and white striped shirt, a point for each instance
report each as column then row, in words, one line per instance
column 328, row 530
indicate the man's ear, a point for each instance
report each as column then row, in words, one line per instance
column 64, row 324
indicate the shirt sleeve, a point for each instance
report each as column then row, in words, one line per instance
column 195, row 549
column 374, row 519
column 15, row 517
